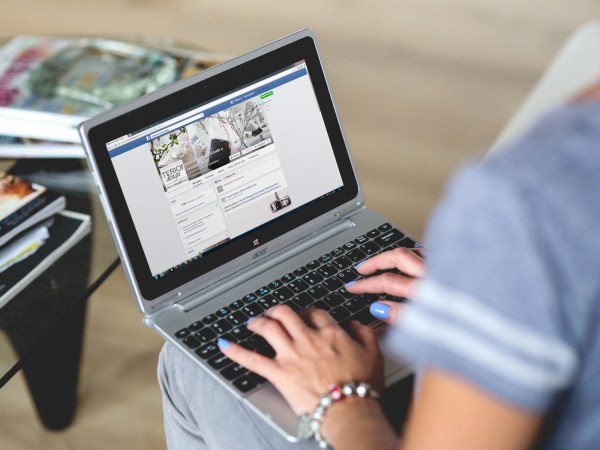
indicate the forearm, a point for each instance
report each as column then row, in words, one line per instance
column 358, row 423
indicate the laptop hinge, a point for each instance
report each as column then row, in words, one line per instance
column 282, row 255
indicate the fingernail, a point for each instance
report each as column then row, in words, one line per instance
column 223, row 343
column 380, row 310
column 359, row 264
column 350, row 283
column 417, row 245
column 249, row 320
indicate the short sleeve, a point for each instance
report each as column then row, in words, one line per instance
column 488, row 309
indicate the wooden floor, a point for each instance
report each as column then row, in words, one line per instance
column 421, row 86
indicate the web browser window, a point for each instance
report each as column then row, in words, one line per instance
column 195, row 182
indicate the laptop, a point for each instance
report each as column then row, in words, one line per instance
column 216, row 222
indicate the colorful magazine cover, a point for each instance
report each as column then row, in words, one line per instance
column 48, row 85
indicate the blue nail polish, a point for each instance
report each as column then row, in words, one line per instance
column 350, row 283
column 359, row 264
column 380, row 310
column 417, row 245
column 223, row 343
column 249, row 320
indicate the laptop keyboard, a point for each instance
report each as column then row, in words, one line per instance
column 318, row 284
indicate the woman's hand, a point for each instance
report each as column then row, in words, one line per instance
column 312, row 353
column 409, row 266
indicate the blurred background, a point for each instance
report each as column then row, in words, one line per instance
column 421, row 86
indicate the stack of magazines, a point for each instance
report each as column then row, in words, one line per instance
column 48, row 85
column 35, row 231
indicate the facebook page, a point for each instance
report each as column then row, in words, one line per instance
column 199, row 180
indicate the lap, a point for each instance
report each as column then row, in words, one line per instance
column 199, row 413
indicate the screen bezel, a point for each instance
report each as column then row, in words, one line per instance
column 198, row 90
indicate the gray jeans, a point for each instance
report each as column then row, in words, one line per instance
column 199, row 413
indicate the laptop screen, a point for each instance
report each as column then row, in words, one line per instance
column 201, row 174
column 210, row 175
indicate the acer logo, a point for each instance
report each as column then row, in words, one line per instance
column 259, row 254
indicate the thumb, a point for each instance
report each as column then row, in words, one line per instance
column 387, row 311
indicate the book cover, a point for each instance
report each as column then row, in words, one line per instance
column 23, row 204
column 66, row 230
column 48, row 85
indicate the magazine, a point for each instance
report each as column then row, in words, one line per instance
column 48, row 85
column 23, row 147
column 66, row 229
column 23, row 204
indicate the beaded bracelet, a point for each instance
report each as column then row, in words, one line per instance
column 310, row 424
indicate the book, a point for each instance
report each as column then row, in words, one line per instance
column 23, row 204
column 48, row 85
column 65, row 230
column 23, row 147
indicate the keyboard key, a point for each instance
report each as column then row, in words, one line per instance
column 253, row 310
column 250, row 298
column 207, row 350
column 223, row 312
column 275, row 285
column 365, row 317
column 244, row 384
column 240, row 333
column 268, row 301
column 292, row 304
column 196, row 326
column 206, row 334
column 303, row 300
column 407, row 242
column 373, row 233
column 385, row 227
column 327, row 270
column 236, row 305
column 317, row 292
column 182, row 333
column 334, row 299
column 370, row 248
column 192, row 341
column 332, row 284
column 237, row 318
column 325, row 259
column 346, row 276
column 257, row 378
column 266, row 350
column 356, row 255
column 221, row 326
column 354, row 304
column 349, row 246
column 320, row 304
column 263, row 291
column 313, row 265
column 255, row 341
column 361, row 239
column 209, row 319
column 298, row 286
column 312, row 278
column 388, row 238
column 339, row 313
column 341, row 263
column 283, row 294
column 300, row 271
column 344, row 293
column 233, row 372
column 337, row 252
column 219, row 361
column 287, row 278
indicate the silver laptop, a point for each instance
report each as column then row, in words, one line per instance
column 233, row 191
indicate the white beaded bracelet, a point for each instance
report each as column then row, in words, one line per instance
column 310, row 424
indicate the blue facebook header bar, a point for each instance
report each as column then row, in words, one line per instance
column 242, row 97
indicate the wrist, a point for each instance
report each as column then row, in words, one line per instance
column 311, row 424
column 351, row 414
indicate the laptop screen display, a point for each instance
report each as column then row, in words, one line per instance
column 205, row 177
column 209, row 174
